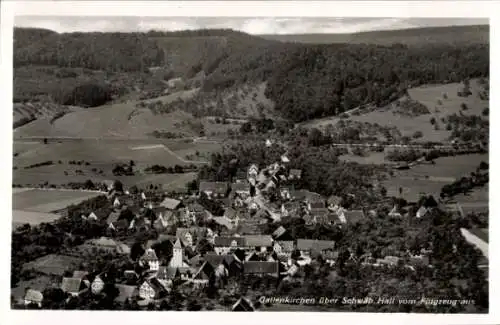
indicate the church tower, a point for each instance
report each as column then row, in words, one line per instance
column 178, row 255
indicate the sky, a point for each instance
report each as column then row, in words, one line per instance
column 256, row 26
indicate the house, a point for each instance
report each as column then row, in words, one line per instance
column 243, row 304
column 185, row 235
column 110, row 185
column 253, row 171
column 290, row 208
column 112, row 220
column 97, row 285
column 318, row 204
column 284, row 159
column 34, row 297
column 294, row 174
column 92, row 216
column 258, row 242
column 117, row 203
column 334, row 202
column 279, row 232
column 152, row 289
column 283, row 247
column 395, row 212
column 223, row 221
column 252, row 205
column 73, row 286
column 421, row 212
column 351, row 217
column 306, row 246
column 261, row 268
column 82, row 275
column 150, row 259
column 170, row 204
column 223, row 244
column 214, row 189
column 241, row 188
column 126, row 292
column 388, row 260
column 268, row 143
column 193, row 210
column 164, row 218
column 202, row 276
column 320, row 215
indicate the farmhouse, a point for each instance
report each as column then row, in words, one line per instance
column 33, row 297
column 351, row 217
column 258, row 242
column 284, row 247
column 150, row 259
column 97, row 285
column 295, row 174
column 126, row 292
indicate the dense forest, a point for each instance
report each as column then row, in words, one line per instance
column 304, row 81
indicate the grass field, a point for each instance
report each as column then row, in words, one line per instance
column 429, row 96
column 39, row 283
column 38, row 200
column 429, row 179
column 53, row 264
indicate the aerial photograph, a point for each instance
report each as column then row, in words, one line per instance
column 250, row 164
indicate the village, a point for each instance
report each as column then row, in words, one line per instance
column 210, row 249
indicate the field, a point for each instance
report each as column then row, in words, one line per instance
column 53, row 264
column 429, row 179
column 38, row 200
column 428, row 96
column 35, row 206
column 39, row 283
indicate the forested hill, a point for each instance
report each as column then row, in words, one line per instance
column 305, row 81
column 411, row 36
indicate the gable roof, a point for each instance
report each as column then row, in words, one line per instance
column 243, row 304
column 113, row 217
column 155, row 284
column 149, row 255
column 167, row 273
column 260, row 267
column 223, row 221
column 80, row 274
column 295, row 172
column 170, row 203
column 223, row 241
column 317, row 205
column 279, row 232
column 214, row 259
column 354, row 215
column 319, row 211
column 241, row 186
column 71, row 285
column 216, row 187
column 196, row 207
column 258, row 240
column 33, row 296
column 204, row 272
column 314, row 244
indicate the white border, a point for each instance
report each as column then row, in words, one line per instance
column 384, row 9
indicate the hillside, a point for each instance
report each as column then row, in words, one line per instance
column 298, row 82
column 412, row 37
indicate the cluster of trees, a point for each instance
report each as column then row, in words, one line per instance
column 177, row 169
column 45, row 163
column 468, row 128
column 85, row 95
column 262, row 125
column 124, row 169
column 404, row 155
column 465, row 184
column 96, row 51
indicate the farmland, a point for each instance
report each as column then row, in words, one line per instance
column 433, row 97
column 431, row 178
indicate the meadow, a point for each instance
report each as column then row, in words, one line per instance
column 441, row 100
column 429, row 179
column 48, row 200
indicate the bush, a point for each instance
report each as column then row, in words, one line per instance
column 486, row 111
column 433, row 120
column 417, row 134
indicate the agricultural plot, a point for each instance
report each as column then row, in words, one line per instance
column 39, row 283
column 441, row 101
column 39, row 200
column 429, row 179
column 53, row 264
column 20, row 217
